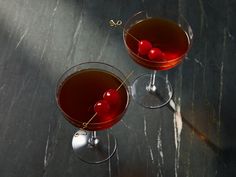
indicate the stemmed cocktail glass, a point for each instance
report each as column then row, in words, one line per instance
column 93, row 96
column 156, row 43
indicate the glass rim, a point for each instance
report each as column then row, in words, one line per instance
column 153, row 61
column 69, row 118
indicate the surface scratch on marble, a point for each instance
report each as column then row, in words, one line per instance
column 159, row 145
column 178, row 125
column 145, row 126
column 221, row 80
column 22, row 37
column 103, row 48
column 194, row 84
column 50, row 28
column 198, row 62
column 151, row 154
column 44, row 49
column 2, row 87
column 221, row 91
column 13, row 102
column 159, row 174
column 160, row 161
column 46, row 148
column 145, row 134
column 202, row 16
column 75, row 37
column 170, row 91
column 230, row 35
column 55, row 8
column 16, row 97
column 118, row 160
column 127, row 126
column 195, row 60
column 172, row 105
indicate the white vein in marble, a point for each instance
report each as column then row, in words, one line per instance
column 178, row 125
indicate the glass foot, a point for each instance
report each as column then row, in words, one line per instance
column 153, row 94
column 94, row 149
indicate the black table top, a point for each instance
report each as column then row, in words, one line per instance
column 39, row 40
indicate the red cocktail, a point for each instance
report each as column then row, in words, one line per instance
column 79, row 93
column 164, row 34
column 93, row 90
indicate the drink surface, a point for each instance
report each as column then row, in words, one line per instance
column 79, row 93
column 163, row 34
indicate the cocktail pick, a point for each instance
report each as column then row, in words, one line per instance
column 85, row 124
column 144, row 46
column 119, row 23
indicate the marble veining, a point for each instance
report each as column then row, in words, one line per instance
column 146, row 137
column 74, row 42
column 126, row 125
column 160, row 161
column 202, row 22
column 22, row 37
column 230, row 35
column 145, row 126
column 198, row 62
column 151, row 154
column 178, row 125
column 117, row 161
column 221, row 84
column 104, row 46
column 46, row 148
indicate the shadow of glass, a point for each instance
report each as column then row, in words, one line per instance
column 202, row 137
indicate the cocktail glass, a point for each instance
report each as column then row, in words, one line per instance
column 78, row 90
column 173, row 37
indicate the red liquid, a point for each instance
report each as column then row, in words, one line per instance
column 79, row 92
column 163, row 34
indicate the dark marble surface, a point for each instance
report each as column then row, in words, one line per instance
column 41, row 39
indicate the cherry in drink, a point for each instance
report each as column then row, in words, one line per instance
column 164, row 35
column 79, row 93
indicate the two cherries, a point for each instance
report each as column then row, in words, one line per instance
column 145, row 48
column 110, row 102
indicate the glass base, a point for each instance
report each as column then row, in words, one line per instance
column 94, row 150
column 149, row 95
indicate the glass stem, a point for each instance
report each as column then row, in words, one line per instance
column 153, row 76
column 152, row 84
column 94, row 134
column 93, row 140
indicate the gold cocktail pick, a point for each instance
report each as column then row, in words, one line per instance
column 115, row 24
column 119, row 23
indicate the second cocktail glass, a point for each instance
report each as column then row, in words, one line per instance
column 166, row 41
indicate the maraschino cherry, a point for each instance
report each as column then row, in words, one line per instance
column 144, row 46
column 112, row 96
column 154, row 54
column 110, row 102
column 102, row 107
